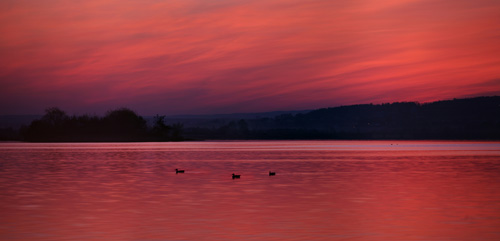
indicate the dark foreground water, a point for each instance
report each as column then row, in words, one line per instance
column 323, row 190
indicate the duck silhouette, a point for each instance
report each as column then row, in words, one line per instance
column 178, row 171
column 272, row 173
column 236, row 176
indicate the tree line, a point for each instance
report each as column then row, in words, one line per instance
column 120, row 125
column 457, row 119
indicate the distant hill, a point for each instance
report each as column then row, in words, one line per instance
column 473, row 118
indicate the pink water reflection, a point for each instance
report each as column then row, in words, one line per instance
column 322, row 191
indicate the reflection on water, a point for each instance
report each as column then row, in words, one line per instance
column 323, row 190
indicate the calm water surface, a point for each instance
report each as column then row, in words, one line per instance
column 323, row 190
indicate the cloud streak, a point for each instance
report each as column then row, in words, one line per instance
column 196, row 56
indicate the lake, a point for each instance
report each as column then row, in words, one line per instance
column 322, row 190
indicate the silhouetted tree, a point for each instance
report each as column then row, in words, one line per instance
column 160, row 130
column 50, row 127
column 125, row 124
column 54, row 116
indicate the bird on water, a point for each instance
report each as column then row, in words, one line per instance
column 236, row 176
column 272, row 173
column 178, row 171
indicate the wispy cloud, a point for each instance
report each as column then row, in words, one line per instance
column 196, row 56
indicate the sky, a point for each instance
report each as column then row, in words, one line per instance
column 232, row 56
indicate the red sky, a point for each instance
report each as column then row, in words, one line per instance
column 227, row 56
